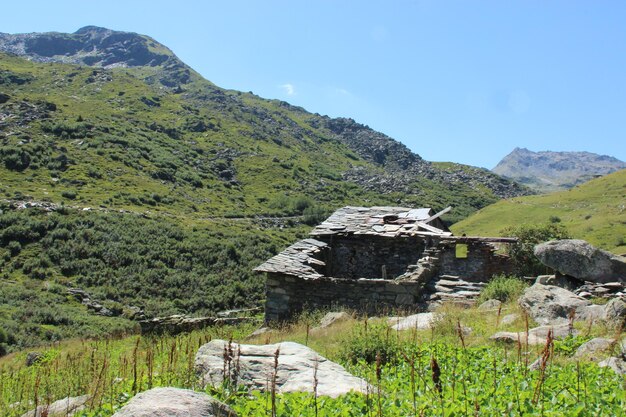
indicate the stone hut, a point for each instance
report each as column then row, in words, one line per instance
column 374, row 259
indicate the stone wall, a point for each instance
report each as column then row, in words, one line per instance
column 286, row 295
column 480, row 265
column 362, row 256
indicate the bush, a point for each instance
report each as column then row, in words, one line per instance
column 14, row 247
column 503, row 288
column 70, row 195
column 367, row 341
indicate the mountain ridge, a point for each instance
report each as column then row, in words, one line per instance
column 372, row 161
column 548, row 171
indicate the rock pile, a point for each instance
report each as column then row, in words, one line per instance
column 549, row 304
column 449, row 288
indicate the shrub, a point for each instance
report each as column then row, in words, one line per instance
column 366, row 341
column 503, row 288
column 14, row 247
column 70, row 195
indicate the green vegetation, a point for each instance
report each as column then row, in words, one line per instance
column 474, row 376
column 503, row 288
column 122, row 260
column 594, row 211
column 107, row 138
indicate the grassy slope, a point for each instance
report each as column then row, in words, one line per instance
column 594, row 211
column 130, row 145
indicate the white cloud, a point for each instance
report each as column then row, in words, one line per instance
column 342, row 91
column 289, row 89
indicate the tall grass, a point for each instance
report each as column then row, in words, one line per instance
column 503, row 288
column 416, row 373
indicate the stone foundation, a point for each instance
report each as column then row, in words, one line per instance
column 287, row 296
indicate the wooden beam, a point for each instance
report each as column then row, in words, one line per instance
column 430, row 228
column 434, row 216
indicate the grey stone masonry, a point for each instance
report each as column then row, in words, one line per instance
column 287, row 295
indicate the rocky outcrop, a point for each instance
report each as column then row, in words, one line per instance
column 254, row 366
column 581, row 260
column 174, row 402
column 548, row 304
column 100, row 47
column 404, row 166
column 62, row 408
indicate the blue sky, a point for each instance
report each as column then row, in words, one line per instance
column 462, row 81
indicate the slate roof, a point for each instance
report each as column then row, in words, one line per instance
column 296, row 260
column 382, row 221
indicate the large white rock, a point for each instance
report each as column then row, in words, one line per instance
column 420, row 321
column 61, row 408
column 581, row 260
column 254, row 368
column 334, row 317
column 174, row 402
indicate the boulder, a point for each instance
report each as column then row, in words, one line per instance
column 420, row 321
column 594, row 348
column 260, row 332
column 581, row 260
column 174, row 402
column 549, row 304
column 617, row 364
column 61, row 408
column 334, row 317
column 33, row 358
column 490, row 305
column 253, row 367
column 615, row 312
column 536, row 336
column 509, row 319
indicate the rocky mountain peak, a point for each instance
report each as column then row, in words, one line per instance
column 551, row 171
column 100, row 47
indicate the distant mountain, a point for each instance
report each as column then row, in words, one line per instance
column 552, row 171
